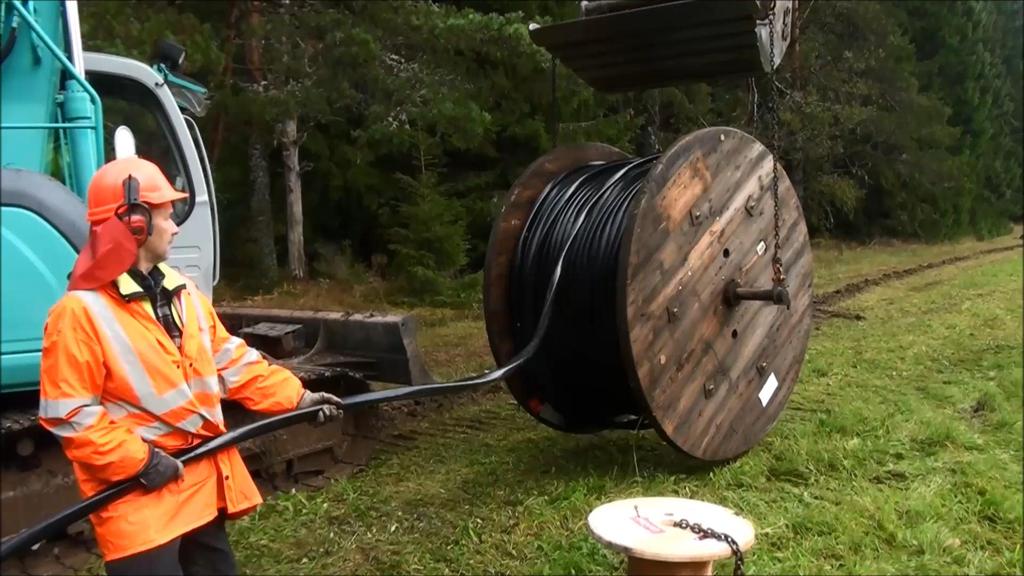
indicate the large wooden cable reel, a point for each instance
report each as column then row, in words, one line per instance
column 709, row 375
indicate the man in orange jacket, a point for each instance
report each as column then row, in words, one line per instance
column 135, row 363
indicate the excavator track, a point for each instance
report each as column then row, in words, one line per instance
column 343, row 354
column 297, row 454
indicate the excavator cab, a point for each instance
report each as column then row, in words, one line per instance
column 631, row 45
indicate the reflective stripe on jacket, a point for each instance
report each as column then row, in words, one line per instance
column 112, row 380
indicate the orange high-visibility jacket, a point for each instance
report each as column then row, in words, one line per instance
column 112, row 381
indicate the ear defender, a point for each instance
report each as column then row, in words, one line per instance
column 135, row 215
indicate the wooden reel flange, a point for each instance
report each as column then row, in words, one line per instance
column 710, row 375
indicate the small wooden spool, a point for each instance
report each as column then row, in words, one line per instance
column 710, row 378
column 642, row 529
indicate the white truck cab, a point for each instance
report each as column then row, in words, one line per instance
column 136, row 96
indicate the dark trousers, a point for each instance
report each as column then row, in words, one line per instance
column 205, row 550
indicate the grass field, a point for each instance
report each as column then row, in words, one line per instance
column 899, row 452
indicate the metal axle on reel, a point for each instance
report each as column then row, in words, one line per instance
column 734, row 294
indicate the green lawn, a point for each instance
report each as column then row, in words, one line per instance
column 899, row 452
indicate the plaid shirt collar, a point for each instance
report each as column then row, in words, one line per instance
column 159, row 286
column 133, row 284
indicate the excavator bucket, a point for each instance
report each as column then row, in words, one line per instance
column 627, row 45
column 379, row 347
column 336, row 352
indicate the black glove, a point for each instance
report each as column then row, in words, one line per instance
column 331, row 406
column 160, row 469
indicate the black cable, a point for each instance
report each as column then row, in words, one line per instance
column 567, row 256
column 55, row 525
column 578, row 371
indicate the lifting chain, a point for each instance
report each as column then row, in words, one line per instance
column 737, row 567
column 778, row 276
column 778, row 293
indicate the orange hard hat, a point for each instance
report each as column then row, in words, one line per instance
column 106, row 189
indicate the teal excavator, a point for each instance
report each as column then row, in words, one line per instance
column 63, row 110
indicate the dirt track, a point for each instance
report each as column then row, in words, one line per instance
column 823, row 304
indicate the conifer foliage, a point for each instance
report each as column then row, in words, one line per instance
column 391, row 128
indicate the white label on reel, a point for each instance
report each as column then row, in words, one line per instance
column 768, row 389
column 761, row 247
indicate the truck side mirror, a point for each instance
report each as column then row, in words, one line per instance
column 169, row 53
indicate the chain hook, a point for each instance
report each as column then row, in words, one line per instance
column 737, row 552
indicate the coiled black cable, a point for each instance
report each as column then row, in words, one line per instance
column 578, row 369
column 563, row 300
column 24, row 540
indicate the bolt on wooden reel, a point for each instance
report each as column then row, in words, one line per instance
column 709, row 353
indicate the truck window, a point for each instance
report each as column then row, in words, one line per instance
column 130, row 103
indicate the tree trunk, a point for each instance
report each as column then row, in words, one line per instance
column 253, row 57
column 797, row 176
column 646, row 142
column 287, row 135
column 553, row 122
column 795, row 41
column 226, row 72
column 265, row 265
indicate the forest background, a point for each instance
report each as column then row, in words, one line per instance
column 372, row 141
